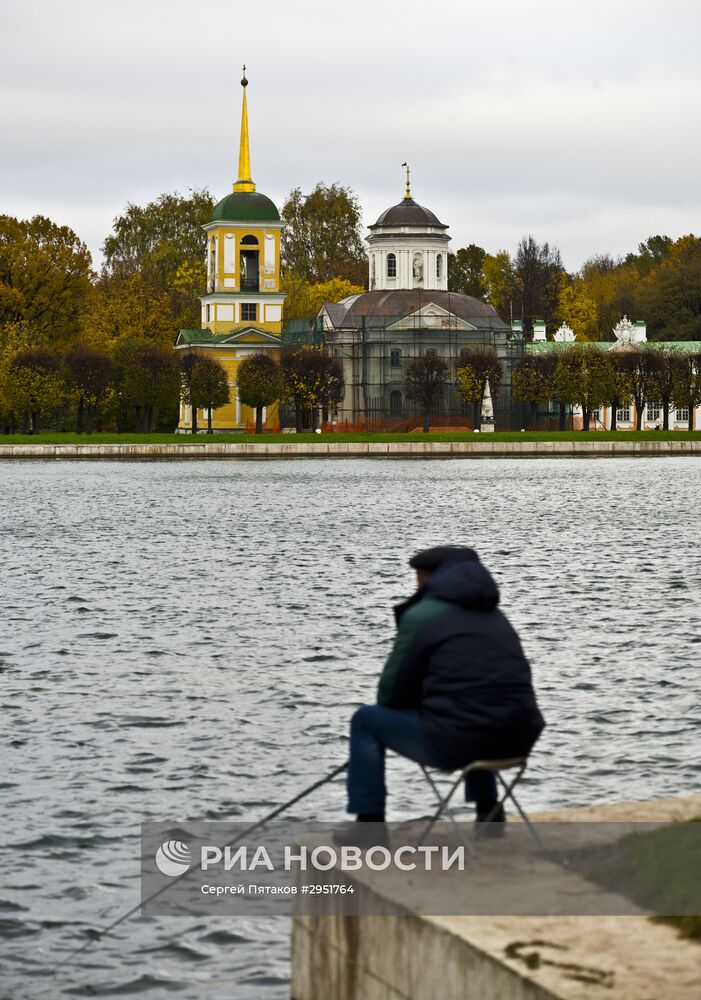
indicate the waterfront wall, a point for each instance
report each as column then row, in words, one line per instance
column 585, row 448
column 415, row 957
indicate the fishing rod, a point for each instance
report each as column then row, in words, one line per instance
column 97, row 935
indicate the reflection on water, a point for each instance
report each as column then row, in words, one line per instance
column 187, row 640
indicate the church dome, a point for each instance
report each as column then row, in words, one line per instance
column 408, row 213
column 245, row 206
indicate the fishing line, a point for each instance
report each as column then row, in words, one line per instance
column 97, row 935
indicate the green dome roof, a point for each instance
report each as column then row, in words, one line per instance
column 245, row 206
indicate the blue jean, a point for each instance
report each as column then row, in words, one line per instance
column 374, row 729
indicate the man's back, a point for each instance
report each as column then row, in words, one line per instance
column 461, row 663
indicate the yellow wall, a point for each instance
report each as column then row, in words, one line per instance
column 224, row 418
column 228, row 279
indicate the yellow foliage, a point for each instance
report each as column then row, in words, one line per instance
column 304, row 300
column 578, row 309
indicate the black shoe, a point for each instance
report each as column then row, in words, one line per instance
column 490, row 820
column 364, row 834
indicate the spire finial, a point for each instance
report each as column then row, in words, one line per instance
column 244, row 182
column 408, row 188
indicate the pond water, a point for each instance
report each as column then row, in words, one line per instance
column 186, row 640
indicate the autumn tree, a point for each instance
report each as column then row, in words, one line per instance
column 148, row 382
column 500, row 283
column 583, row 377
column 304, row 300
column 164, row 242
column 662, row 381
column 45, row 279
column 577, row 308
column 537, row 271
column 323, row 238
column 670, row 294
column 124, row 308
column 465, row 271
column 260, row 384
column 638, row 366
column 687, row 382
column 532, row 381
column 33, row 384
column 89, row 375
column 620, row 387
column 313, row 379
column 425, row 379
column 209, row 387
column 476, row 366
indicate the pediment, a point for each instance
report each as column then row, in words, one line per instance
column 433, row 317
column 250, row 335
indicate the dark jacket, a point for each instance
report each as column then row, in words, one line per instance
column 458, row 660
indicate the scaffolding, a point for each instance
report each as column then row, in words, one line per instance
column 376, row 351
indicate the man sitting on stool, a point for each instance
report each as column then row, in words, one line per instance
column 455, row 688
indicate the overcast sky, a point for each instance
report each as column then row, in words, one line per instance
column 579, row 122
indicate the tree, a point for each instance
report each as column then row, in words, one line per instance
column 424, row 382
column 670, row 294
column 147, row 381
column 33, row 384
column 583, row 377
column 662, row 381
column 89, row 376
column 312, row 379
column 164, row 242
column 322, row 238
column 538, row 270
column 304, row 300
column 124, row 308
column 45, row 275
column 532, row 381
column 465, row 273
column 260, row 383
column 620, row 390
column 687, row 382
column 577, row 308
column 500, row 283
column 209, row 387
column 475, row 366
column 638, row 366
column 650, row 254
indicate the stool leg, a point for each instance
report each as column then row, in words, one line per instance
column 509, row 793
column 444, row 807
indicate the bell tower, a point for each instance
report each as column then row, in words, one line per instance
column 243, row 253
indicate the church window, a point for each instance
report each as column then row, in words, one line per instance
column 623, row 414
column 395, row 359
column 439, row 266
column 250, row 241
column 395, row 403
column 391, row 265
column 249, row 311
column 209, row 313
column 653, row 411
column 596, row 417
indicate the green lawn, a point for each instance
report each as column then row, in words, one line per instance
column 203, row 439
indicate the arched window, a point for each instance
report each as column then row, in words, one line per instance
column 395, row 403
column 391, row 265
column 439, row 266
column 250, row 241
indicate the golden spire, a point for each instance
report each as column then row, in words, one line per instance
column 408, row 189
column 244, row 183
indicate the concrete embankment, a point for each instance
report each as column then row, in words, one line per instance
column 587, row 447
column 414, row 957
